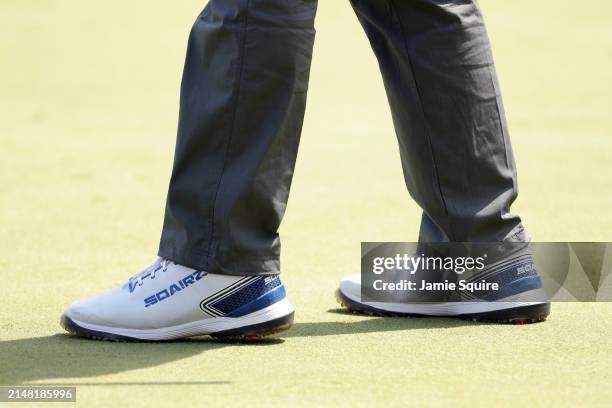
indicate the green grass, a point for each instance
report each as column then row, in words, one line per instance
column 89, row 96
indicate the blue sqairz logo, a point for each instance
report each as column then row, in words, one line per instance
column 174, row 288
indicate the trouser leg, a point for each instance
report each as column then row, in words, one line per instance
column 243, row 96
column 440, row 79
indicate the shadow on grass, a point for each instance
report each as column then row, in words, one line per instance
column 373, row 324
column 65, row 356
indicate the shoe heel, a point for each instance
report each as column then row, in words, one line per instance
column 257, row 331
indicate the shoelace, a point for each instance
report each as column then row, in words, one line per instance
column 149, row 272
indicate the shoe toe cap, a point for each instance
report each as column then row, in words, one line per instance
column 351, row 286
column 82, row 312
column 92, row 310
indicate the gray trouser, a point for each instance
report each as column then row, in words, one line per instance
column 242, row 105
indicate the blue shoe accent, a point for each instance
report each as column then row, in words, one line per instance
column 517, row 277
column 245, row 296
column 515, row 287
column 261, row 302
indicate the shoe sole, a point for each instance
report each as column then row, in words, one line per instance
column 255, row 332
column 515, row 315
column 274, row 319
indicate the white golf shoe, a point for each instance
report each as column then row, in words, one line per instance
column 520, row 300
column 168, row 301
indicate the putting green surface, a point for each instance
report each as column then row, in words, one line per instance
column 89, row 97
